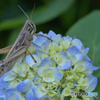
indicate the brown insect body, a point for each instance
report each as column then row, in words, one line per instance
column 20, row 46
column 25, row 37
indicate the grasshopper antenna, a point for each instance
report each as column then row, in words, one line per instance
column 32, row 11
column 23, row 11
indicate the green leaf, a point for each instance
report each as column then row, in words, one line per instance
column 41, row 14
column 87, row 30
column 10, row 24
column 52, row 10
column 98, row 89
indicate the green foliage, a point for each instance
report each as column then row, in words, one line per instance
column 87, row 30
column 41, row 14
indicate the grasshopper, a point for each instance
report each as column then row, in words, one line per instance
column 20, row 46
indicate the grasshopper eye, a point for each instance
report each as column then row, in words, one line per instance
column 31, row 31
column 32, row 27
column 31, row 24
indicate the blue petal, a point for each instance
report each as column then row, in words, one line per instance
column 58, row 76
column 37, row 46
column 77, row 43
column 60, row 56
column 65, row 65
column 96, row 68
column 40, row 41
column 18, row 96
column 54, row 37
column 84, row 51
column 74, row 54
column 45, row 44
column 31, row 62
column 92, row 83
column 9, row 77
column 29, row 95
column 1, row 95
column 9, row 93
column 4, row 84
column 88, row 68
column 37, row 52
column 45, row 61
column 24, row 86
column 40, row 32
column 74, row 37
column 51, row 34
column 86, row 58
column 39, row 92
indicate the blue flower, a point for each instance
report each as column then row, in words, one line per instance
column 62, row 66
column 48, row 73
column 62, row 61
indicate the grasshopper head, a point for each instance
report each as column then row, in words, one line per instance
column 31, row 27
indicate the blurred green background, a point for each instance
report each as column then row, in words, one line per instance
column 80, row 18
column 56, row 15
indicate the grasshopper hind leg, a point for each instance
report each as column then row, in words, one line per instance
column 7, row 66
column 3, row 69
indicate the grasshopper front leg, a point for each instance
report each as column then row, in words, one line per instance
column 42, row 36
column 29, row 52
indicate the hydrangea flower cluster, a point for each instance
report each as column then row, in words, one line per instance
column 62, row 66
